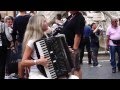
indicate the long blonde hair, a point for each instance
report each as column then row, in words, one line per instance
column 34, row 29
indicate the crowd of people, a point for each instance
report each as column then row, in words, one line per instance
column 17, row 37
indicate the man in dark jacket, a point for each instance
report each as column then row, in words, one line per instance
column 73, row 30
column 19, row 27
column 86, row 43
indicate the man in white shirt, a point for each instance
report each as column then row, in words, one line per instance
column 113, row 42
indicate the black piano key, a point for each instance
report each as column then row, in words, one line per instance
column 50, row 64
column 54, row 76
column 50, row 67
column 45, row 54
column 42, row 44
column 46, row 51
column 51, row 73
column 44, row 48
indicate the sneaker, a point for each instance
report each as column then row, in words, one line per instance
column 89, row 63
column 113, row 70
column 99, row 65
column 118, row 69
column 92, row 66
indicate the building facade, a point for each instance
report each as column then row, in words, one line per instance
column 7, row 13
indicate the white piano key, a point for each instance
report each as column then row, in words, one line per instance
column 44, row 52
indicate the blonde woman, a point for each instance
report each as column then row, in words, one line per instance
column 36, row 27
column 34, row 31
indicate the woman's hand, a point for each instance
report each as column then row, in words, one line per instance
column 43, row 61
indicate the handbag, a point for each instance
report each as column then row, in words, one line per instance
column 12, row 62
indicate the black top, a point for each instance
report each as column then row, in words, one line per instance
column 19, row 26
column 74, row 25
column 95, row 39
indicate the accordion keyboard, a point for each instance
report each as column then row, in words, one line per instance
column 50, row 72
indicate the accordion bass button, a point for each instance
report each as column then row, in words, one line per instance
column 54, row 61
column 51, row 52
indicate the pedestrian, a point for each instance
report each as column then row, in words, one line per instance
column 58, row 22
column 73, row 29
column 6, row 41
column 85, row 42
column 113, row 43
column 95, row 44
column 19, row 27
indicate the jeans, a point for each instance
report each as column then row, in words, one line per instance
column 113, row 50
column 95, row 55
column 85, row 43
column 75, row 57
column 19, row 51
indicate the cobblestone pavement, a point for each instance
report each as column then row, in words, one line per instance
column 104, row 72
column 88, row 72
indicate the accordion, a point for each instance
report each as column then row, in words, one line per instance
column 59, row 57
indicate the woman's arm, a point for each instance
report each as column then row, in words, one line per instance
column 27, row 61
column 21, row 66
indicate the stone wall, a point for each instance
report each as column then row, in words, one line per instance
column 7, row 13
column 50, row 15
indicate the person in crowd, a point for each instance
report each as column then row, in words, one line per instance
column 6, row 41
column 113, row 43
column 85, row 42
column 95, row 43
column 36, row 28
column 73, row 29
column 19, row 27
column 9, row 22
column 58, row 22
column 32, row 13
